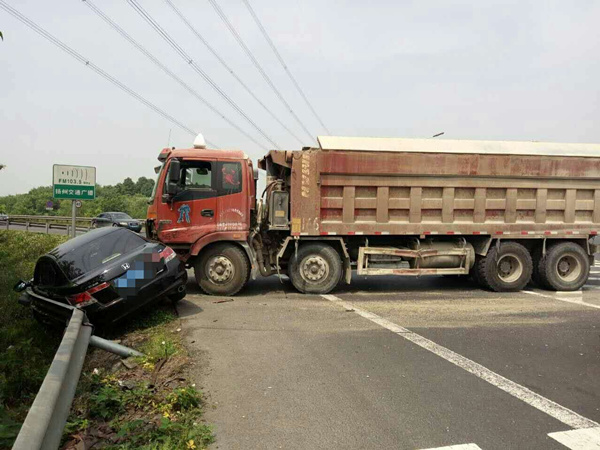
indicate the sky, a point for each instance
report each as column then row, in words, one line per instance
column 510, row 70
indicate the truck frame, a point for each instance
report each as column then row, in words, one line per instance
column 503, row 212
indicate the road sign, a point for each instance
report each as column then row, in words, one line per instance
column 77, row 203
column 74, row 182
column 49, row 205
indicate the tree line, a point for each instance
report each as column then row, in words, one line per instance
column 128, row 196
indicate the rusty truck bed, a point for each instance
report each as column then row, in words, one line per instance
column 356, row 191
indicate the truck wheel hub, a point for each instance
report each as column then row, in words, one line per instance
column 314, row 268
column 220, row 269
column 510, row 268
column 569, row 268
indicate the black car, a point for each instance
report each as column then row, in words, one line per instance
column 116, row 219
column 108, row 273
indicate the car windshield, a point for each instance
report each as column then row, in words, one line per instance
column 93, row 249
column 121, row 216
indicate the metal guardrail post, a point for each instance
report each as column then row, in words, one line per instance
column 44, row 424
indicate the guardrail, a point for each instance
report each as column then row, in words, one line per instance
column 44, row 424
column 43, row 427
column 48, row 223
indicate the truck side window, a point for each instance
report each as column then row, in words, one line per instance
column 197, row 181
column 197, row 176
column 230, row 178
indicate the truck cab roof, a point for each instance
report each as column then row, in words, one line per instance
column 203, row 153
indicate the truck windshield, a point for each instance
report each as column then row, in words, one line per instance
column 159, row 171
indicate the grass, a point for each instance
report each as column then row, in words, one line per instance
column 26, row 349
column 148, row 407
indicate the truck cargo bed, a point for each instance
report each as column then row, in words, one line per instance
column 346, row 191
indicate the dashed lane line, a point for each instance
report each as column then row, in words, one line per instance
column 585, row 439
column 457, row 447
column 547, row 406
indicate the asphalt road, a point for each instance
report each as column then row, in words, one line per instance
column 398, row 363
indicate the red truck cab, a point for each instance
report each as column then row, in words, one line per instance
column 202, row 197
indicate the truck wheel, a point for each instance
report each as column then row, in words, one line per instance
column 539, row 262
column 222, row 270
column 506, row 268
column 315, row 268
column 565, row 267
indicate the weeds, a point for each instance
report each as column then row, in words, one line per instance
column 136, row 409
column 26, row 349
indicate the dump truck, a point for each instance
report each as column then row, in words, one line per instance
column 502, row 212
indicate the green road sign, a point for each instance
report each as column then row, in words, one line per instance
column 74, row 182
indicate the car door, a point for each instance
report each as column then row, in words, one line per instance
column 191, row 213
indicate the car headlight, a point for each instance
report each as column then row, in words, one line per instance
column 123, row 224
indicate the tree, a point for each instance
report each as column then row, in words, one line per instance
column 127, row 187
column 144, row 186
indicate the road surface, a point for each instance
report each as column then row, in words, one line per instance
column 398, row 363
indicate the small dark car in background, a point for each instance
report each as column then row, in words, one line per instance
column 107, row 273
column 116, row 219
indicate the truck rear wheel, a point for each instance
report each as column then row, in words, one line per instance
column 315, row 268
column 506, row 268
column 565, row 267
column 222, row 269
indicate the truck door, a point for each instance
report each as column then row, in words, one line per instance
column 193, row 210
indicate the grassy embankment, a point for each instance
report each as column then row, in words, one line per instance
column 146, row 403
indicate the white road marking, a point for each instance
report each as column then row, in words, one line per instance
column 566, row 299
column 553, row 409
column 457, row 447
column 586, row 439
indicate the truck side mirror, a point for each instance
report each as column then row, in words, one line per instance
column 174, row 171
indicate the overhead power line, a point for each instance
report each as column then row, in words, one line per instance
column 94, row 67
column 287, row 70
column 228, row 68
column 239, row 40
column 142, row 12
column 165, row 69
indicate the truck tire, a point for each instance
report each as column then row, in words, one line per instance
column 539, row 261
column 222, row 269
column 506, row 268
column 315, row 268
column 565, row 267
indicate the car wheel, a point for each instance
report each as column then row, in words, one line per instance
column 115, row 224
column 222, row 269
column 315, row 268
column 177, row 296
column 506, row 268
column 565, row 267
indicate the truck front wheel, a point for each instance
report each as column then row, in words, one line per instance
column 315, row 268
column 222, row 270
column 506, row 268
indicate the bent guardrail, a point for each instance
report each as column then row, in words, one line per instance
column 44, row 424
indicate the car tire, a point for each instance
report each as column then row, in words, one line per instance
column 506, row 268
column 178, row 296
column 315, row 268
column 222, row 269
column 565, row 267
column 115, row 224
